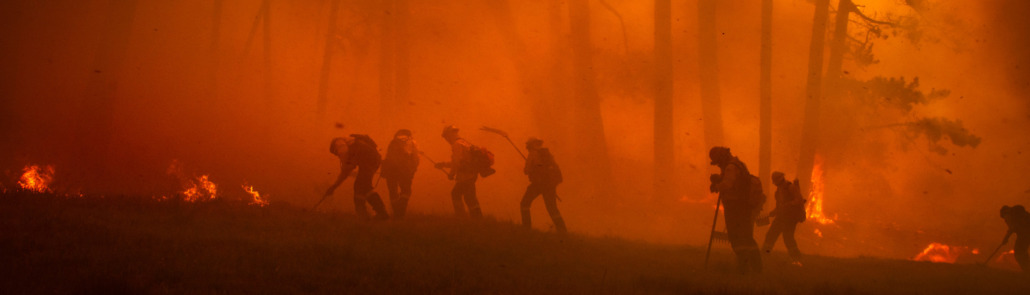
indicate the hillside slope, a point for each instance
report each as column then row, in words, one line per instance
column 70, row 245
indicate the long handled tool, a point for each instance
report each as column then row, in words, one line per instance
column 711, row 237
column 366, row 195
column 993, row 253
column 434, row 163
column 505, row 135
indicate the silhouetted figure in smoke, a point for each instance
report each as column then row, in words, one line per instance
column 1018, row 221
column 544, row 177
column 734, row 187
column 399, row 169
column 463, row 172
column 789, row 211
column 358, row 150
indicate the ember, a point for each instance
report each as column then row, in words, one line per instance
column 937, row 252
column 201, row 190
column 37, row 179
column 257, row 200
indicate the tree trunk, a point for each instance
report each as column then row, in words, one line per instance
column 810, row 127
column 589, row 124
column 531, row 86
column 765, row 95
column 96, row 134
column 664, row 150
column 393, row 66
column 708, row 64
column 327, row 60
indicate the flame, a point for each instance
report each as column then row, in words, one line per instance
column 818, row 233
column 257, row 200
column 201, row 190
column 816, row 196
column 37, row 179
column 937, row 252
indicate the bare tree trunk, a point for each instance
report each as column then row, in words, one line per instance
column 589, row 124
column 267, row 9
column 664, row 150
column 708, row 64
column 95, row 137
column 214, row 55
column 837, row 48
column 531, row 86
column 327, row 60
column 393, row 65
column 810, row 127
column 765, row 93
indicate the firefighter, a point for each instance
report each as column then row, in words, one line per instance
column 733, row 184
column 789, row 211
column 463, row 172
column 399, row 169
column 544, row 177
column 359, row 151
column 1018, row 221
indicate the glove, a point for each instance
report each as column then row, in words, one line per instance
column 329, row 192
column 439, row 165
column 713, row 188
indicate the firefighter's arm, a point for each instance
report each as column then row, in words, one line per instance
column 729, row 177
column 1007, row 235
column 345, row 170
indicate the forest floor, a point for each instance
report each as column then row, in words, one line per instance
column 111, row 245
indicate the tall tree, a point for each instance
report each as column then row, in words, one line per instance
column 664, row 150
column 327, row 59
column 765, row 95
column 813, row 94
column 263, row 19
column 708, row 64
column 393, row 62
column 96, row 137
column 532, row 84
column 589, row 124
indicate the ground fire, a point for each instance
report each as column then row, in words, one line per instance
column 37, row 179
column 816, row 195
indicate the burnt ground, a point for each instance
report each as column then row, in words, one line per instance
column 51, row 244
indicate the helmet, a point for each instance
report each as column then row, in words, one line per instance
column 450, row 129
column 533, row 141
column 719, row 154
column 777, row 177
column 404, row 132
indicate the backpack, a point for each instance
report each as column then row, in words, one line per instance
column 482, row 160
column 752, row 187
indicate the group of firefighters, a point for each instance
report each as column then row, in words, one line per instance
column 739, row 192
column 465, row 167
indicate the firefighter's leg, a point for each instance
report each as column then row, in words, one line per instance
column 790, row 242
column 527, row 202
column 400, row 207
column 472, row 201
column 775, row 229
column 378, row 205
column 551, row 202
column 456, row 194
column 393, row 189
column 1020, row 250
column 362, row 185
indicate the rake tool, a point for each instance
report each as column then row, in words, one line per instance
column 993, row 253
column 715, row 235
column 505, row 135
column 423, row 154
column 373, row 191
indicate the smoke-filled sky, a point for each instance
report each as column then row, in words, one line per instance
column 111, row 92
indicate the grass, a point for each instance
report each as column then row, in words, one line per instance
column 110, row 245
